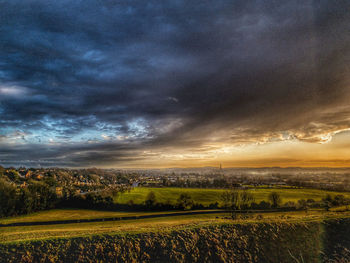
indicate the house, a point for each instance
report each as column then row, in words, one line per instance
column 28, row 174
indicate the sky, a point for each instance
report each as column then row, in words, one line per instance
column 105, row 83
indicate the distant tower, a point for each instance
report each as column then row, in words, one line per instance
column 220, row 170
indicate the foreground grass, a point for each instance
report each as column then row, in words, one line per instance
column 28, row 233
column 207, row 196
column 225, row 242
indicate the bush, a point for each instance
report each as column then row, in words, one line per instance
column 290, row 204
column 150, row 199
column 259, row 217
column 264, row 205
column 184, row 202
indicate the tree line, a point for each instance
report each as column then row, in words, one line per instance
column 16, row 200
column 41, row 195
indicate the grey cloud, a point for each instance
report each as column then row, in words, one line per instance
column 239, row 71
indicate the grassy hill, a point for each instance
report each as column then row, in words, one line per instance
column 253, row 242
column 253, row 237
column 158, row 224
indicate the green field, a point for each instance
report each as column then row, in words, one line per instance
column 207, row 196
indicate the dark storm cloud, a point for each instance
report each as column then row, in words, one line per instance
column 167, row 74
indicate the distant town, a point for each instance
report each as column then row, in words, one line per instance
column 93, row 179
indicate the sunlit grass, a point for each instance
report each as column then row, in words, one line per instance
column 74, row 214
column 26, row 233
column 207, row 196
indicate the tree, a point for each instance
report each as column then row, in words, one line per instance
column 338, row 200
column 235, row 200
column 7, row 198
column 24, row 204
column 2, row 170
column 246, row 199
column 226, row 199
column 275, row 199
column 185, row 201
column 50, row 181
column 327, row 202
column 13, row 175
column 302, row 204
column 43, row 196
column 150, row 199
